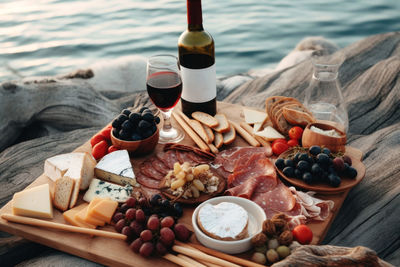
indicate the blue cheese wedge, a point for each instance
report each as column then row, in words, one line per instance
column 116, row 167
column 103, row 189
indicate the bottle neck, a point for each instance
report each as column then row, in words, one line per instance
column 194, row 15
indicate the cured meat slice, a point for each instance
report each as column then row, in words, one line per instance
column 198, row 159
column 195, row 150
column 149, row 192
column 170, row 158
column 159, row 165
column 147, row 181
column 184, row 156
column 147, row 169
column 258, row 184
column 228, row 159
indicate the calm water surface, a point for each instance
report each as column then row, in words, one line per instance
column 45, row 37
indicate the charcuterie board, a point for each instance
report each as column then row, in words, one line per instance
column 116, row 252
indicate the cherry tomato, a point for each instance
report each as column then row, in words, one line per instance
column 107, row 132
column 279, row 147
column 293, row 142
column 100, row 150
column 280, row 140
column 295, row 132
column 112, row 149
column 303, row 234
column 97, row 139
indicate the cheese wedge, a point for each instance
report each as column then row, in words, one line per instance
column 257, row 126
column 69, row 217
column 269, row 134
column 103, row 189
column 254, row 116
column 33, row 202
column 104, row 210
column 55, row 167
column 91, row 219
column 116, row 167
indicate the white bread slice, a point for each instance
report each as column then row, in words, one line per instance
column 62, row 193
column 209, row 132
column 205, row 118
column 218, row 140
column 252, row 116
column 223, row 124
column 198, row 128
column 230, row 136
column 269, row 134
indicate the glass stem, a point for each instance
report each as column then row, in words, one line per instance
column 167, row 120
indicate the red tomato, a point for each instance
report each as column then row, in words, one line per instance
column 100, row 150
column 293, row 142
column 303, row 234
column 112, row 149
column 97, row 139
column 280, row 140
column 279, row 147
column 107, row 132
column 295, row 132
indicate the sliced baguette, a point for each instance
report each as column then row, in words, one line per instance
column 218, row 140
column 209, row 132
column 230, row 136
column 297, row 117
column 62, row 192
column 198, row 128
column 223, row 124
column 205, row 118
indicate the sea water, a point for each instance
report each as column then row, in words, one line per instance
column 49, row 37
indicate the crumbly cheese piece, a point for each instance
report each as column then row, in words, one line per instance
column 116, row 167
column 252, row 116
column 224, row 220
column 33, row 202
column 103, row 189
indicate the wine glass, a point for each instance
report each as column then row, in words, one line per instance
column 164, row 86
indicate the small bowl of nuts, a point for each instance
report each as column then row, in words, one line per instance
column 191, row 184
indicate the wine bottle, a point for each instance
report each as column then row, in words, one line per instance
column 197, row 63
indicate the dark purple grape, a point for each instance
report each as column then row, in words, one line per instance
column 146, row 249
column 316, row 169
column 127, row 125
column 347, row 160
column 140, row 216
column 298, row 174
column 124, row 207
column 154, row 200
column 165, row 203
column 303, row 156
column 303, row 166
column 135, row 118
column 144, row 125
column 136, row 227
column 323, row 159
column 124, row 134
column 167, row 236
column 116, row 123
column 315, row 150
column 121, row 118
column 127, row 112
column 280, row 164
column 127, row 231
column 181, row 232
column 143, row 109
column 136, row 244
column 117, row 216
column 148, row 117
column 167, row 222
column 161, row 249
column 146, row 235
column 288, row 172
column 296, row 157
column 130, row 214
column 131, row 202
column 334, row 180
column 351, row 172
column 307, row 178
column 338, row 164
column 326, row 151
column 157, row 120
column 115, row 132
column 178, row 209
column 289, row 163
column 119, row 225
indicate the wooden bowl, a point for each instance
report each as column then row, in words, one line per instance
column 138, row 148
column 311, row 138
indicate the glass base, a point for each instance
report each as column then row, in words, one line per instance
column 170, row 136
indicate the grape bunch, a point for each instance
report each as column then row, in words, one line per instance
column 317, row 165
column 134, row 126
column 147, row 229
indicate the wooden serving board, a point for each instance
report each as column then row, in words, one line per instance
column 116, row 252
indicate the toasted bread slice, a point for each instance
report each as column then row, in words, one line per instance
column 218, row 140
column 230, row 136
column 297, row 117
column 198, row 128
column 62, row 192
column 209, row 132
column 205, row 118
column 223, row 124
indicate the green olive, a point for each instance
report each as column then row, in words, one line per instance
column 273, row 244
column 283, row 251
column 272, row 255
column 259, row 258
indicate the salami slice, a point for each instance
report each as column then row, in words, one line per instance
column 170, row 158
column 159, row 166
column 198, row 159
column 147, row 169
column 147, row 181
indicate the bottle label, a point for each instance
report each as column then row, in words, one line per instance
column 199, row 85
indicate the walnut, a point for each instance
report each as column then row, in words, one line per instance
column 259, row 239
column 280, row 215
column 286, row 238
column 280, row 225
column 269, row 228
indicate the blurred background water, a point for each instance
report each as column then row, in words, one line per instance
column 48, row 37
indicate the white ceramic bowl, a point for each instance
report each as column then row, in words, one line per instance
column 256, row 218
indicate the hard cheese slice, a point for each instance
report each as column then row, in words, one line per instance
column 80, row 218
column 104, row 210
column 103, row 189
column 269, row 134
column 116, row 167
column 69, row 216
column 253, row 116
column 33, row 202
column 91, row 219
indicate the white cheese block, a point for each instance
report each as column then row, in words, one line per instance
column 257, row 126
column 226, row 221
column 116, row 167
column 33, row 202
column 55, row 167
column 269, row 134
column 102, row 189
column 254, row 116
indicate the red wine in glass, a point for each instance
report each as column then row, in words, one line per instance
column 164, row 89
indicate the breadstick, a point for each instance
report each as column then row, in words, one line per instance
column 191, row 261
column 177, row 260
column 258, row 138
column 61, row 226
column 191, row 133
column 243, row 133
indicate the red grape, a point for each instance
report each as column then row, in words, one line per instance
column 153, row 223
column 127, row 231
column 136, row 244
column 146, row 249
column 182, row 233
column 142, row 202
column 347, row 160
column 338, row 164
column 130, row 214
column 136, row 227
column 140, row 217
column 119, row 225
column 160, row 248
column 131, row 202
column 167, row 222
column 146, row 235
column 124, row 208
column 118, row 216
column 167, row 236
